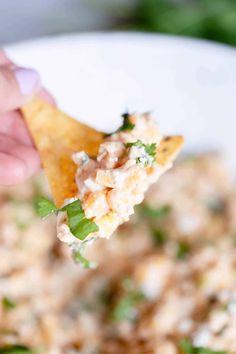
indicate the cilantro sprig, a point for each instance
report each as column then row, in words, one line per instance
column 16, row 349
column 126, row 307
column 125, row 310
column 149, row 150
column 45, row 207
column 187, row 348
column 84, row 262
column 155, row 213
column 78, row 224
column 127, row 124
column 155, row 216
column 183, row 250
column 159, row 236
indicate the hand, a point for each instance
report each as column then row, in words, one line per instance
column 19, row 159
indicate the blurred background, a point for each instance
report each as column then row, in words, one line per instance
column 210, row 19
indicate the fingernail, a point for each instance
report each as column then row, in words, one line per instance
column 28, row 80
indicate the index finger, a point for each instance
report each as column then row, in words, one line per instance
column 16, row 86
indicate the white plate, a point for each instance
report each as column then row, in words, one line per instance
column 189, row 85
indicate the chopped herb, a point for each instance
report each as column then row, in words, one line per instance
column 157, row 213
column 183, row 249
column 159, row 237
column 187, row 348
column 149, row 149
column 84, row 228
column 85, row 263
column 15, row 349
column 8, row 304
column 125, row 309
column 137, row 143
column 154, row 218
column 79, row 225
column 127, row 124
column 45, row 207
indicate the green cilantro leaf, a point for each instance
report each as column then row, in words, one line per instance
column 75, row 213
column 137, row 143
column 183, row 249
column 124, row 310
column 8, row 304
column 187, row 348
column 127, row 124
column 126, row 307
column 15, row 349
column 159, row 237
column 79, row 225
column 155, row 213
column 150, row 150
column 85, row 263
column 45, row 207
column 84, row 228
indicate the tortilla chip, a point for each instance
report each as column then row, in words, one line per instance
column 57, row 136
column 168, row 149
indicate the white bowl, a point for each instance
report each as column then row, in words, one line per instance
column 190, row 85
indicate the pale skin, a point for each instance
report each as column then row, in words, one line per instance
column 19, row 160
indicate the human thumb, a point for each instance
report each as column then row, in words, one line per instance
column 16, row 86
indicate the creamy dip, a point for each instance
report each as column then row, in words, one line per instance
column 112, row 184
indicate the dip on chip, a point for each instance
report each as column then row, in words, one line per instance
column 96, row 179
